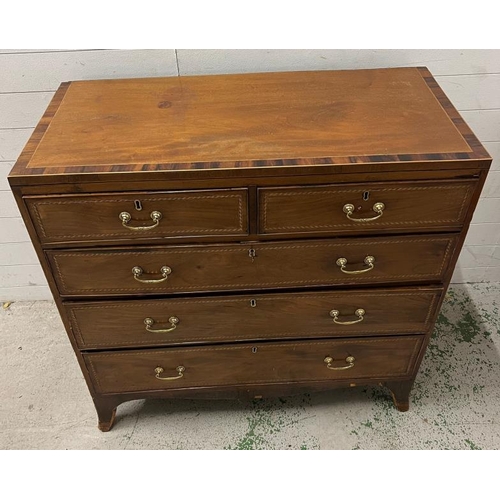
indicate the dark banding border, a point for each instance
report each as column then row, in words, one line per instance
column 21, row 165
column 478, row 151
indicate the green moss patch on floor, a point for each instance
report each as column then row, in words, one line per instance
column 276, row 424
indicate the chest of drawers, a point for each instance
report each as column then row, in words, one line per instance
column 249, row 235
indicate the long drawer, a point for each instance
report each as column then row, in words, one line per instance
column 229, row 365
column 139, row 215
column 140, row 323
column 364, row 207
column 164, row 270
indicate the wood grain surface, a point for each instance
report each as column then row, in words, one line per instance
column 408, row 206
column 232, row 267
column 183, row 213
column 252, row 364
column 248, row 121
column 119, row 324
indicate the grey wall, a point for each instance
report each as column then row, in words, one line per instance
column 29, row 77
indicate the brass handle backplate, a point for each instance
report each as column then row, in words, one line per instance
column 369, row 261
column 349, row 360
column 360, row 313
column 138, row 272
column 125, row 217
column 149, row 322
column 378, row 208
column 159, row 370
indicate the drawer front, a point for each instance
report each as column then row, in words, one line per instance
column 135, row 215
column 230, row 365
column 252, row 317
column 245, row 267
column 326, row 208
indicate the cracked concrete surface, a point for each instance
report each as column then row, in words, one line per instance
column 454, row 405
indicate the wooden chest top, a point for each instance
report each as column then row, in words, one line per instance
column 247, row 121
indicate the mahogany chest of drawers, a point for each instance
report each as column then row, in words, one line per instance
column 249, row 235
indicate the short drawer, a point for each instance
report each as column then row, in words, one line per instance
column 365, row 207
column 232, row 365
column 140, row 323
column 139, row 215
column 166, row 270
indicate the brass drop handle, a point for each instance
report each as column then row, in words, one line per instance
column 378, row 208
column 360, row 313
column 369, row 261
column 149, row 322
column 138, row 272
column 350, row 360
column 159, row 370
column 125, row 217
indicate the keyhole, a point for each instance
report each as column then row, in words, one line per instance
column 138, row 205
column 253, row 303
column 252, row 254
column 366, row 195
column 254, row 350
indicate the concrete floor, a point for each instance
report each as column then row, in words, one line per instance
column 455, row 403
